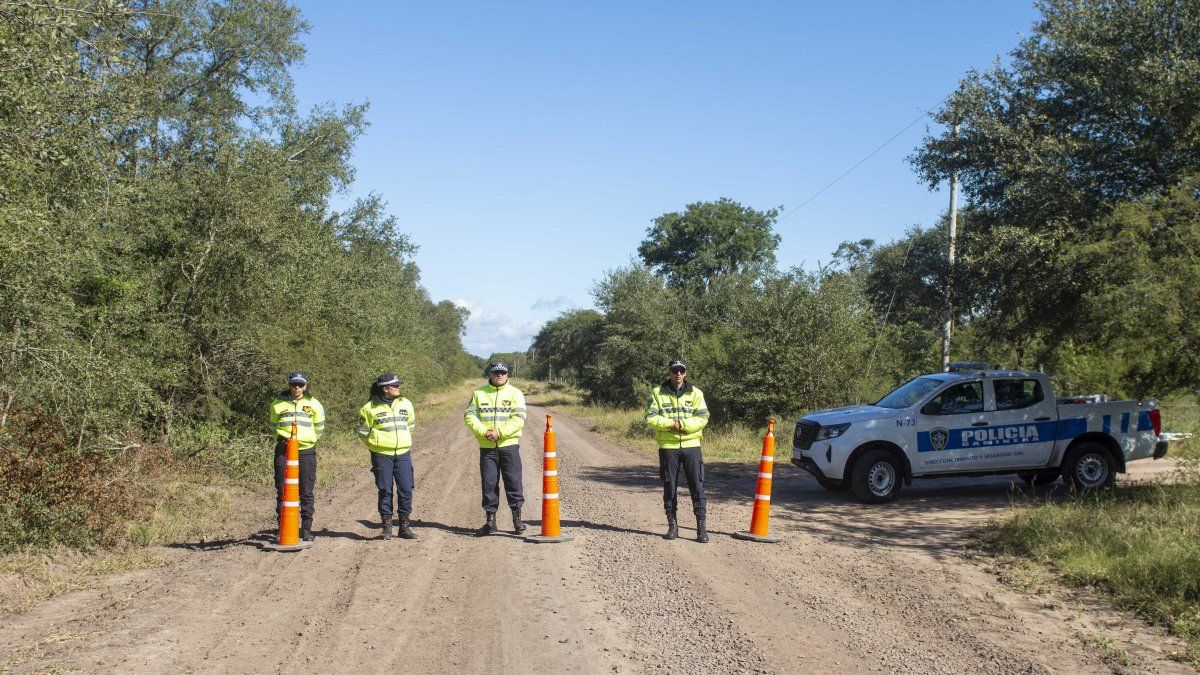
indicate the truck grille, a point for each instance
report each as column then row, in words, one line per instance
column 806, row 433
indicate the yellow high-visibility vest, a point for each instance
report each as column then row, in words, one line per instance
column 687, row 406
column 502, row 409
column 387, row 428
column 308, row 414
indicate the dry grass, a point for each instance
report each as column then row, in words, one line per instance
column 29, row 577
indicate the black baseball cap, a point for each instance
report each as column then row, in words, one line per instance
column 677, row 363
column 498, row 367
column 297, row 377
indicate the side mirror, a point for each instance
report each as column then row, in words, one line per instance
column 931, row 408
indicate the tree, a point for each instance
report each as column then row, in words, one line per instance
column 567, row 344
column 1098, row 108
column 710, row 239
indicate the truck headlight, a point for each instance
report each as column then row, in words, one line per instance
column 832, row 431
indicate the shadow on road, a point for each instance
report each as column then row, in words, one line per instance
column 589, row 525
column 335, row 534
column 434, row 525
column 257, row 539
column 933, row 515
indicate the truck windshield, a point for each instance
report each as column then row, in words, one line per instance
column 910, row 392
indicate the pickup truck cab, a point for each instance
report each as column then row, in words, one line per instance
column 971, row 421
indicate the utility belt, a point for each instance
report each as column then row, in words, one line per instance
column 281, row 447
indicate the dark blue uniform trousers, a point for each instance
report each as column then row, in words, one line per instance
column 497, row 462
column 670, row 460
column 396, row 469
column 308, row 478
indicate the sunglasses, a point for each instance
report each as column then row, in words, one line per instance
column 679, row 370
column 294, row 384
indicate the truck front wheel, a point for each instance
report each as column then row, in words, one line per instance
column 876, row 477
column 1088, row 466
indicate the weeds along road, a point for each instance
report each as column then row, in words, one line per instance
column 850, row 589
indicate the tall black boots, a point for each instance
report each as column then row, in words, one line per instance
column 518, row 525
column 306, row 529
column 701, row 530
column 404, row 530
column 489, row 527
column 672, row 528
column 387, row 527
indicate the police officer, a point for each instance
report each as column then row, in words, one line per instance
column 496, row 415
column 296, row 404
column 677, row 414
column 386, row 424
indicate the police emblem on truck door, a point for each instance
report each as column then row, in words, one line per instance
column 938, row 438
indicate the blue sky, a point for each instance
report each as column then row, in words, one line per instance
column 525, row 147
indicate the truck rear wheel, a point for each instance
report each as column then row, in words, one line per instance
column 1088, row 466
column 876, row 477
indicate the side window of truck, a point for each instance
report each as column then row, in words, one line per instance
column 1017, row 394
column 957, row 400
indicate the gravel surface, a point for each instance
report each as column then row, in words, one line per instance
column 849, row 589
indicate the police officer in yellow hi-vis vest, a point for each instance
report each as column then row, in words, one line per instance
column 496, row 415
column 678, row 414
column 386, row 424
column 295, row 404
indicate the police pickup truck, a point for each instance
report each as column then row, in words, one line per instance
column 972, row 421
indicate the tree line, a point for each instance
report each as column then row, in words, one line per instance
column 169, row 249
column 1079, row 246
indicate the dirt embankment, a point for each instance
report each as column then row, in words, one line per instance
column 850, row 588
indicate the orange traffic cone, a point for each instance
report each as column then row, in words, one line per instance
column 760, row 520
column 289, row 510
column 551, row 532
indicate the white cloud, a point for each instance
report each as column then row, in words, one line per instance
column 561, row 302
column 490, row 331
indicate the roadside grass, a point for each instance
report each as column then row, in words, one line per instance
column 723, row 442
column 1183, row 415
column 222, row 492
column 1138, row 544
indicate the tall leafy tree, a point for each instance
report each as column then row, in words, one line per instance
column 708, row 240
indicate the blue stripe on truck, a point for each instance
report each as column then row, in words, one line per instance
column 1068, row 429
column 1144, row 421
column 1124, row 423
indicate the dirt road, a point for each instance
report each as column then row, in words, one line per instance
column 850, row 589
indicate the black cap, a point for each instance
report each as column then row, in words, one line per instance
column 677, row 363
column 297, row 377
column 388, row 380
column 498, row 367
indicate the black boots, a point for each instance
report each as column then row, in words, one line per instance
column 387, row 527
column 701, row 530
column 672, row 528
column 404, row 530
column 306, row 530
column 518, row 525
column 489, row 527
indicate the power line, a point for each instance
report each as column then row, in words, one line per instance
column 860, row 162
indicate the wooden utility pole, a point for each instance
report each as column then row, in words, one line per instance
column 948, row 327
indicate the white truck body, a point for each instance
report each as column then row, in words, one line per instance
column 976, row 423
